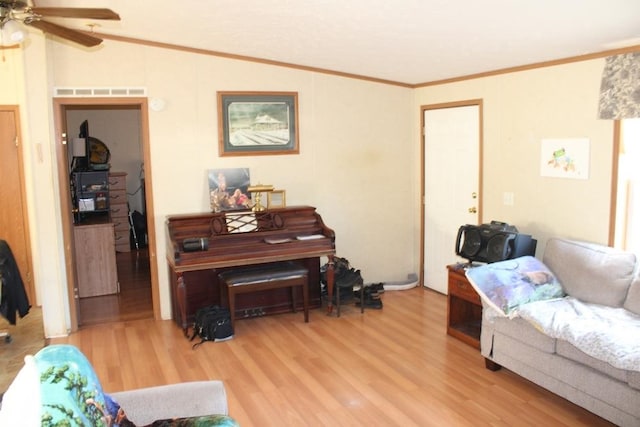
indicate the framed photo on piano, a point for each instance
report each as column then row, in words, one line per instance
column 228, row 189
column 276, row 199
column 257, row 123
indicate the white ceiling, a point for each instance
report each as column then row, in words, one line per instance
column 406, row 41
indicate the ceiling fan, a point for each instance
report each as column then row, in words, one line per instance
column 15, row 10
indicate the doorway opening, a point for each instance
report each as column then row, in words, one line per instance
column 105, row 194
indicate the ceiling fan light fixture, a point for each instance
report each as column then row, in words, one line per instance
column 11, row 33
column 17, row 10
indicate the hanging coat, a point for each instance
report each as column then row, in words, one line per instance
column 14, row 297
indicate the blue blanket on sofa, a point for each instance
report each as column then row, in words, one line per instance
column 506, row 285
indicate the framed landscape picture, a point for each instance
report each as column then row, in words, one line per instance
column 257, row 123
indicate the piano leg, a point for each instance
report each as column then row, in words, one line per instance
column 330, row 282
column 182, row 302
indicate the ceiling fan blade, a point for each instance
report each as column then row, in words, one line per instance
column 76, row 12
column 66, row 33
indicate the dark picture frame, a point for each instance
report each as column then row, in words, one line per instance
column 257, row 123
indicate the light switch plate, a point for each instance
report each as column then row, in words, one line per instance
column 507, row 198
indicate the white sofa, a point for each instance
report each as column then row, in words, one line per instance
column 595, row 276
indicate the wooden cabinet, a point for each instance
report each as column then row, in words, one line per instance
column 464, row 308
column 95, row 260
column 119, row 210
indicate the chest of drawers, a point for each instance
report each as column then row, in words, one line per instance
column 119, row 210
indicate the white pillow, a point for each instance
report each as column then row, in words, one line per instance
column 21, row 402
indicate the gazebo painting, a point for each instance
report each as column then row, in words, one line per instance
column 259, row 123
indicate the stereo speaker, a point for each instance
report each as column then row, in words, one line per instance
column 493, row 242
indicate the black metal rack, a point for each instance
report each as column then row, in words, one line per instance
column 90, row 194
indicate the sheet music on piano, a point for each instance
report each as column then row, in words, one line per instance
column 273, row 241
column 311, row 237
column 242, row 222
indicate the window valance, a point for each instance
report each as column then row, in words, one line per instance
column 620, row 87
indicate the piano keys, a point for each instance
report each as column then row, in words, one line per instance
column 233, row 239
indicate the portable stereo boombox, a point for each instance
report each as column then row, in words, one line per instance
column 496, row 241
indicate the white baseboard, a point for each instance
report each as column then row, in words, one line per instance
column 411, row 282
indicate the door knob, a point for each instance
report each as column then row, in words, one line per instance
column 473, row 210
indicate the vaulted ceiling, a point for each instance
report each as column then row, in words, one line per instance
column 404, row 41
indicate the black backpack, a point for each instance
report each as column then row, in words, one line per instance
column 213, row 323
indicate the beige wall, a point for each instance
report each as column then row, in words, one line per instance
column 11, row 70
column 359, row 158
column 33, row 98
column 520, row 109
column 357, row 148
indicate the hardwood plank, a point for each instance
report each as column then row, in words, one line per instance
column 394, row 366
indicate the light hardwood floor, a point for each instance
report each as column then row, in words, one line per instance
column 27, row 337
column 394, row 366
column 133, row 302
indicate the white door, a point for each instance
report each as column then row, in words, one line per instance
column 451, row 184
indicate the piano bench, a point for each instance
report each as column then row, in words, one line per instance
column 276, row 275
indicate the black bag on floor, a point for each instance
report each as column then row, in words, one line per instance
column 213, row 323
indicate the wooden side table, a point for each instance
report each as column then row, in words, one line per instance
column 464, row 309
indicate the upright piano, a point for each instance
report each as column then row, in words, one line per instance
column 231, row 239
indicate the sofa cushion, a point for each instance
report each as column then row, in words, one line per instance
column 633, row 379
column 632, row 302
column 568, row 350
column 520, row 330
column 590, row 384
column 611, row 334
column 591, row 272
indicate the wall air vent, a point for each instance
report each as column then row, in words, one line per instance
column 102, row 92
